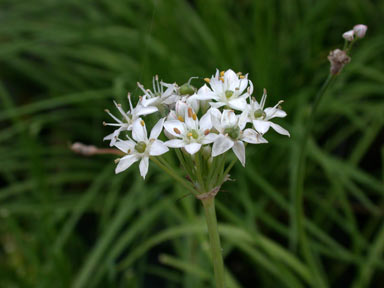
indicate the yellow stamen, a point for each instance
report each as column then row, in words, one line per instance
column 241, row 76
column 194, row 117
column 207, row 80
column 222, row 79
column 190, row 113
column 189, row 134
column 177, row 131
column 180, row 118
column 222, row 73
column 142, row 123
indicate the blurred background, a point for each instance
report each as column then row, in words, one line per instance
column 68, row 221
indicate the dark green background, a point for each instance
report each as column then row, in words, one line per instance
column 68, row 221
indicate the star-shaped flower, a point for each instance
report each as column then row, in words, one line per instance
column 140, row 147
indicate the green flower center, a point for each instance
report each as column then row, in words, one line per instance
column 228, row 94
column 259, row 113
column 140, row 147
column 233, row 132
column 186, row 89
column 194, row 134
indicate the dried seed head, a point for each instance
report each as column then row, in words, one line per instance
column 338, row 59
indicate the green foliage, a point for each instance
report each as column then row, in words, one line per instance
column 68, row 221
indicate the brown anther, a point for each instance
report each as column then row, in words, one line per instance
column 104, row 123
column 117, row 160
column 106, row 110
column 190, row 112
column 265, row 91
column 207, row 80
column 177, row 131
column 142, row 123
column 119, row 105
column 241, row 76
column 180, row 118
column 194, row 117
column 239, row 73
column 206, row 132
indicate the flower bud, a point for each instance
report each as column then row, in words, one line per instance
column 360, row 30
column 349, row 35
column 206, row 151
column 338, row 59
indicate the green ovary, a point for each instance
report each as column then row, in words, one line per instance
column 140, row 147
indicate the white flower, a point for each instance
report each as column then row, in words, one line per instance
column 360, row 30
column 140, row 148
column 227, row 89
column 261, row 117
column 128, row 118
column 190, row 133
column 230, row 126
column 349, row 35
column 159, row 96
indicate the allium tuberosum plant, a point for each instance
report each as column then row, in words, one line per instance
column 201, row 127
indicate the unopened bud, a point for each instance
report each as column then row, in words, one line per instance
column 360, row 30
column 349, row 35
column 206, row 151
column 338, row 59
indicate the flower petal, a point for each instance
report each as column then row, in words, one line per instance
column 192, row 148
column 215, row 118
column 221, row 145
column 228, row 118
column 251, row 136
column 126, row 162
column 175, row 143
column 238, row 103
column 144, row 163
column 156, row 130
column 139, row 131
column 158, row 148
column 211, row 137
column 272, row 112
column 141, row 110
column 125, row 145
column 261, row 126
column 175, row 125
column 279, row 129
column 205, row 122
column 239, row 150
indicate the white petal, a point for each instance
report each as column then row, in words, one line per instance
column 125, row 145
column 158, row 148
column 243, row 120
column 205, row 122
column 139, row 131
column 222, row 144
column 251, row 136
column 215, row 118
column 261, row 126
column 173, row 125
column 279, row 129
column 228, row 118
column 126, row 162
column 192, row 148
column 144, row 163
column 272, row 112
column 238, row 104
column 217, row 104
column 175, row 143
column 231, row 78
column 156, row 130
column 239, row 150
column 243, row 85
column 145, row 110
column 211, row 137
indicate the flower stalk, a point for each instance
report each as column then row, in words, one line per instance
column 214, row 240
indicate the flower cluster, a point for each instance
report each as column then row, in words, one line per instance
column 204, row 123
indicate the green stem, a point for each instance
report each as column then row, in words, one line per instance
column 298, row 232
column 214, row 239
